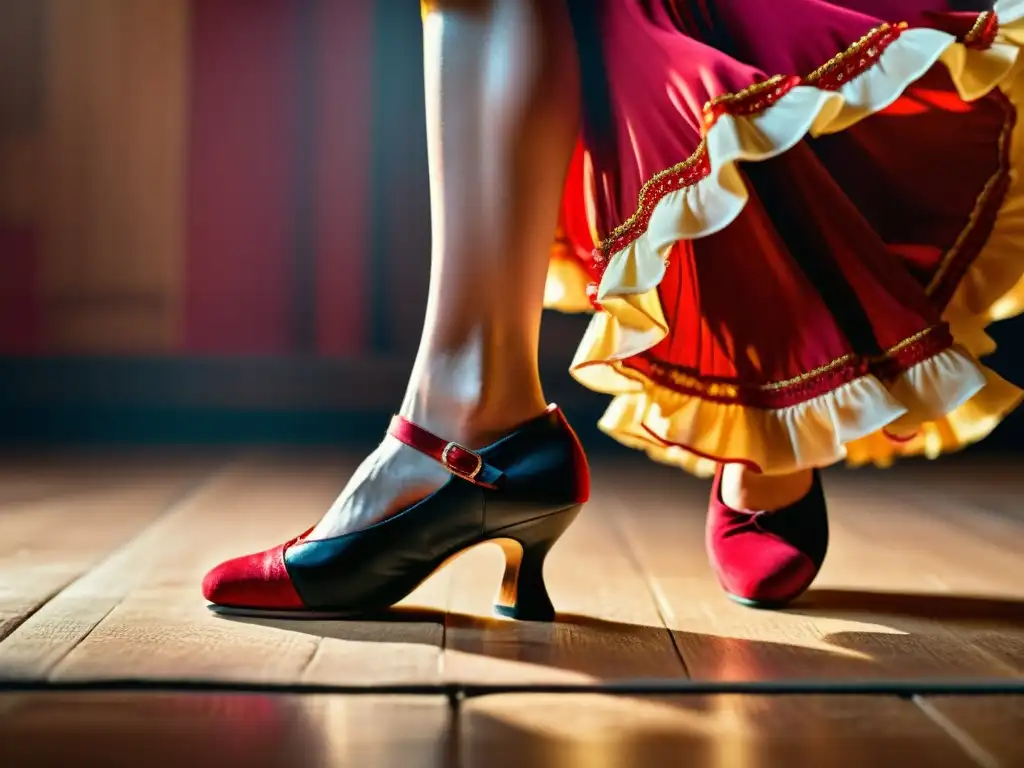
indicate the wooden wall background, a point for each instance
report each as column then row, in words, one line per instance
column 94, row 174
column 166, row 166
column 21, row 125
column 213, row 207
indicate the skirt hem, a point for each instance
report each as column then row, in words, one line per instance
column 936, row 402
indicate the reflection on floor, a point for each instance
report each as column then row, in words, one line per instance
column 101, row 555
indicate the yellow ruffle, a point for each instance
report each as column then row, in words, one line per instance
column 939, row 405
column 566, row 287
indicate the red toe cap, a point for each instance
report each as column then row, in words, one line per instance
column 762, row 568
column 756, row 558
column 253, row 581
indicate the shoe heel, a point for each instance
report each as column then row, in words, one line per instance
column 523, row 595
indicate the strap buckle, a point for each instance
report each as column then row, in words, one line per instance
column 447, row 463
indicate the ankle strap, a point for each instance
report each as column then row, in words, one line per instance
column 457, row 459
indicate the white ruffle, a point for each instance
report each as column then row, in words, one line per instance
column 714, row 202
column 685, row 429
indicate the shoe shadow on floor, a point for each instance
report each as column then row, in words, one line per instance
column 945, row 608
column 888, row 636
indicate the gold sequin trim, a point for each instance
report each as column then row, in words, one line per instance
column 864, row 44
column 732, row 391
column 679, row 169
column 814, row 373
column 696, row 166
column 748, row 96
column 685, row 381
column 978, row 29
column 847, row 359
column 984, row 198
column 893, row 351
column 746, row 93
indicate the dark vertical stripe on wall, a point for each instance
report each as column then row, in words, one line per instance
column 242, row 177
column 400, row 230
column 22, row 66
column 343, row 141
column 304, row 315
column 21, row 307
column 22, row 92
column 386, row 78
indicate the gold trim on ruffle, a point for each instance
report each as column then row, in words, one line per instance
column 855, row 419
column 731, row 390
column 748, row 93
column 689, row 163
column 980, row 204
column 738, row 97
column 854, row 50
column 978, row 29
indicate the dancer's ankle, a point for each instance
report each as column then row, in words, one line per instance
column 459, row 403
column 474, row 423
column 744, row 489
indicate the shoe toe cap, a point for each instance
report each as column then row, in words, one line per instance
column 763, row 569
column 254, row 581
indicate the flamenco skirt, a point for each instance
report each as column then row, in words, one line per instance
column 793, row 221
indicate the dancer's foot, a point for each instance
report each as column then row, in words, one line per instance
column 523, row 491
column 395, row 476
column 767, row 538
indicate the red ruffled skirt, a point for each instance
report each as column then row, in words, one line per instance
column 793, row 221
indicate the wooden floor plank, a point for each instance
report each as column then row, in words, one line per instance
column 213, row 731
column 987, row 482
column 27, row 479
column 909, row 526
column 916, row 585
column 140, row 613
column 927, row 564
column 990, row 728
column 723, row 731
column 848, row 626
column 980, row 499
column 29, row 476
column 898, row 605
column 608, row 625
column 49, row 542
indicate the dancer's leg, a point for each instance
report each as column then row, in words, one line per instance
column 502, row 102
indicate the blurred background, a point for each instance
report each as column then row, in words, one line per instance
column 214, row 223
column 214, row 219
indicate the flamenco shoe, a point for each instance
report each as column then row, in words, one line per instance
column 521, row 492
column 765, row 559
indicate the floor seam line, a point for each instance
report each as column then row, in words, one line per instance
column 36, row 608
column 304, row 669
column 964, row 740
column 655, row 594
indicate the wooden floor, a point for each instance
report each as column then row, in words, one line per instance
column 101, row 557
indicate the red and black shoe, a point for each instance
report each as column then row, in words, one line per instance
column 522, row 492
column 766, row 559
